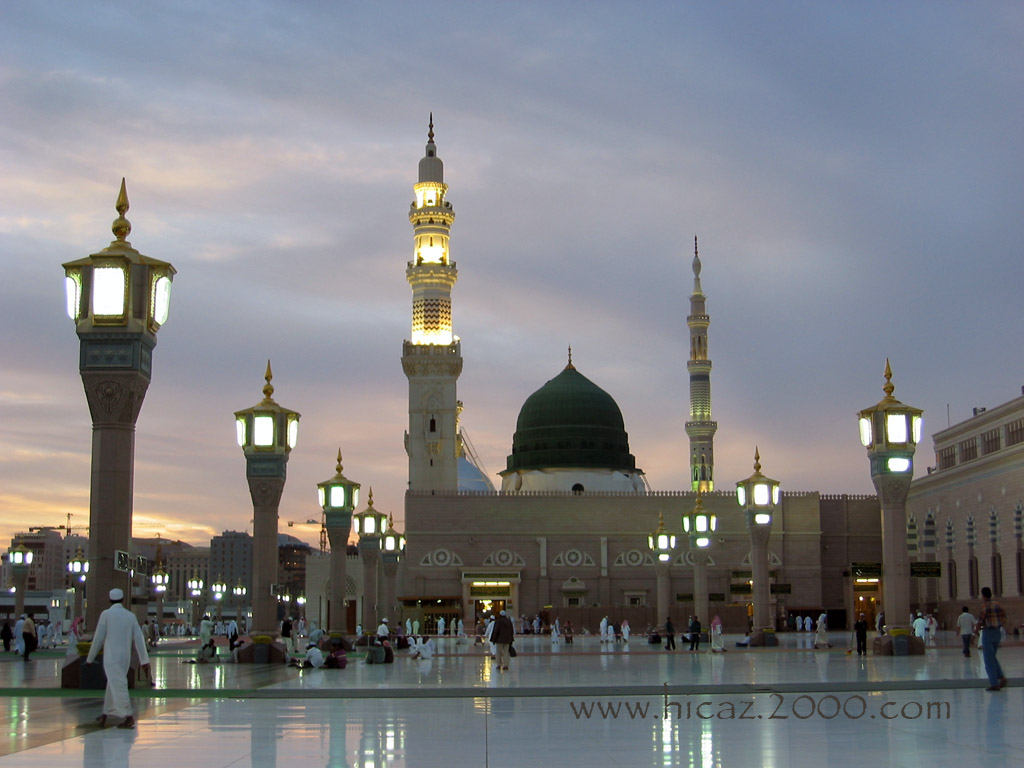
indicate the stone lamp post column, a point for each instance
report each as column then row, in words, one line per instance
column 267, row 433
column 118, row 299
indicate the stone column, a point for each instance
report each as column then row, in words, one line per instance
column 266, row 498
column 892, row 493
column 759, row 566
column 369, row 550
column 388, row 607
column 662, row 589
column 115, row 400
column 700, row 586
column 337, row 615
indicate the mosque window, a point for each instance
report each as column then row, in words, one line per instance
column 972, row 576
column 1015, row 432
column 951, row 573
column 433, row 424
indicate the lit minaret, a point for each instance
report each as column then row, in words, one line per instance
column 700, row 427
column 432, row 358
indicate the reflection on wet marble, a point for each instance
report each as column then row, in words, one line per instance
column 596, row 726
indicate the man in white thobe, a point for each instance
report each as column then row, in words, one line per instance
column 205, row 630
column 440, row 627
column 19, row 639
column 116, row 633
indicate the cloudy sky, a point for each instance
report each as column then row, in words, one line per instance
column 855, row 174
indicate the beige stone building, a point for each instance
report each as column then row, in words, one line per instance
column 966, row 517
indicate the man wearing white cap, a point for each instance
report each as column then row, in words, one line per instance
column 382, row 631
column 118, row 630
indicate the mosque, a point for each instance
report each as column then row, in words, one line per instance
column 566, row 534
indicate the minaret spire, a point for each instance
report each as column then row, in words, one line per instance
column 700, row 427
column 432, row 358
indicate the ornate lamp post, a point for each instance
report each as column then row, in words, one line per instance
column 759, row 495
column 663, row 545
column 369, row 526
column 392, row 546
column 699, row 525
column 20, row 558
column 338, row 498
column 890, row 431
column 160, row 579
column 78, row 567
column 195, row 591
column 219, row 589
column 267, row 433
column 118, row 299
column 239, row 591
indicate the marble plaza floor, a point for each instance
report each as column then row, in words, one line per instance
column 579, row 705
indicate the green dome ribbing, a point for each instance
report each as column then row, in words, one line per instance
column 570, row 422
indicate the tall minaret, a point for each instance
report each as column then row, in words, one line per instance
column 432, row 358
column 700, row 427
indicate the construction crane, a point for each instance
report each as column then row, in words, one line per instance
column 323, row 529
column 66, row 528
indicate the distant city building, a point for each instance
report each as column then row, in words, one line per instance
column 231, row 559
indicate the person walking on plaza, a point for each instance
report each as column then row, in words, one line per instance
column 117, row 632
column 28, row 633
column 19, row 640
column 991, row 620
column 966, row 622
column 694, row 629
column 625, row 631
column 502, row 635
column 860, row 631
column 670, row 635
column 7, row 634
column 286, row 633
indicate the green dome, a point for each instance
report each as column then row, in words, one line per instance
column 570, row 422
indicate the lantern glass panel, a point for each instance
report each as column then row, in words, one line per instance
column 917, row 427
column 161, row 299
column 108, row 291
column 263, row 430
column 293, row 431
column 240, row 430
column 865, row 431
column 73, row 287
column 701, row 524
column 337, row 495
column 741, row 495
column 896, row 427
column 775, row 494
column 762, row 518
column 355, row 497
column 761, row 495
column 898, row 464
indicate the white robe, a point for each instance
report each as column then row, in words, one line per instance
column 625, row 631
column 604, row 628
column 440, row 626
column 117, row 631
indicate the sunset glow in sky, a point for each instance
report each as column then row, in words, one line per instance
column 854, row 173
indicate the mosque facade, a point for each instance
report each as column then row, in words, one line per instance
column 565, row 534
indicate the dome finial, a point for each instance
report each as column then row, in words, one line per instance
column 339, row 462
column 430, row 131
column 569, row 366
column 889, row 387
column 369, row 502
column 757, row 459
column 121, row 226
column 268, row 388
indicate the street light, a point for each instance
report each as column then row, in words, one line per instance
column 219, row 588
column 663, row 545
column 239, row 591
column 195, row 590
column 118, row 299
column 78, row 567
column 699, row 525
column 20, row 558
column 392, row 545
column 267, row 433
column 160, row 579
column 890, row 431
column 369, row 524
column 338, row 498
column 759, row 495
